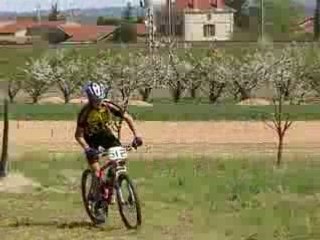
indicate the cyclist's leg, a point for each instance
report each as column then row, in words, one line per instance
column 110, row 141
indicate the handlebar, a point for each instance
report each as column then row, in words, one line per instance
column 128, row 147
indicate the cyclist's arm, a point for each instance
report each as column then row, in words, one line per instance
column 129, row 120
column 118, row 112
column 79, row 137
column 79, row 133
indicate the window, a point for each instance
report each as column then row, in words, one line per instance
column 209, row 30
column 209, row 16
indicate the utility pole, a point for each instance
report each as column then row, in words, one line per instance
column 149, row 23
column 169, row 20
column 262, row 20
column 38, row 11
column 317, row 21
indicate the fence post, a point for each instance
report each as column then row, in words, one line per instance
column 5, row 140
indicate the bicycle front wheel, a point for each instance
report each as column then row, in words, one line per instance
column 128, row 201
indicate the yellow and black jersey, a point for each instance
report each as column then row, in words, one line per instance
column 101, row 120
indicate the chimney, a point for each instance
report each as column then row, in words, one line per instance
column 220, row 4
column 195, row 4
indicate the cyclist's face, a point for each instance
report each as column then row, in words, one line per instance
column 95, row 103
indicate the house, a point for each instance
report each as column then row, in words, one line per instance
column 13, row 32
column 306, row 25
column 24, row 31
column 197, row 20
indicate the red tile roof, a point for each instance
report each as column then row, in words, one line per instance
column 86, row 32
column 199, row 4
column 21, row 25
column 141, row 29
column 77, row 32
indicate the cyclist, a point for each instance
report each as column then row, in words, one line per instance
column 94, row 130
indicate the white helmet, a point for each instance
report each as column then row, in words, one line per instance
column 95, row 91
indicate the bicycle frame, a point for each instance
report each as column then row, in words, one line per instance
column 116, row 166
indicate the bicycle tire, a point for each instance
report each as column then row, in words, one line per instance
column 137, row 202
column 84, row 177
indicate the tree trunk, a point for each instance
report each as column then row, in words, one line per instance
column 177, row 92
column 11, row 98
column 145, row 93
column 280, row 148
column 317, row 21
column 35, row 99
column 66, row 97
column 5, row 140
column 244, row 94
column 215, row 91
column 193, row 92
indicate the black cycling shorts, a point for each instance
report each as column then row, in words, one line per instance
column 102, row 139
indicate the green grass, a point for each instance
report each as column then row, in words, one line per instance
column 165, row 111
column 181, row 199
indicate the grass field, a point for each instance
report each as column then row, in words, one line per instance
column 216, row 199
column 169, row 112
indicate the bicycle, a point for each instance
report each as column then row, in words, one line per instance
column 115, row 174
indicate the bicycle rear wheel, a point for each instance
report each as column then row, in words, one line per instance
column 129, row 200
column 88, row 195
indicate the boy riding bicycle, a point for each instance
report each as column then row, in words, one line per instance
column 94, row 130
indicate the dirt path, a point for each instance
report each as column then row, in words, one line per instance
column 170, row 138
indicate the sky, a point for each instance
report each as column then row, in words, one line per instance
column 30, row 5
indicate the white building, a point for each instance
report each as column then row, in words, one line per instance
column 197, row 20
column 208, row 25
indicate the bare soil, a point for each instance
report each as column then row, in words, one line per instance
column 17, row 183
column 174, row 138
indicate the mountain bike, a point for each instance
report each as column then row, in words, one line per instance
column 115, row 176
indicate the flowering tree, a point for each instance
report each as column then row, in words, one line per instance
column 194, row 77
column 179, row 72
column 313, row 72
column 69, row 72
column 214, row 77
column 39, row 77
column 130, row 74
column 14, row 87
column 246, row 73
column 153, row 67
column 100, row 68
column 287, row 79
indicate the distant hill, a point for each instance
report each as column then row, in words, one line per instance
column 89, row 15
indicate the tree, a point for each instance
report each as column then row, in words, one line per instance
column 214, row 76
column 54, row 13
column 287, row 77
column 313, row 72
column 128, row 77
column 154, row 71
column 279, row 17
column 237, row 5
column 108, row 21
column 246, row 73
column 194, row 77
column 5, row 141
column 69, row 72
column 128, row 12
column 100, row 20
column 125, row 33
column 179, row 72
column 14, row 87
column 39, row 77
